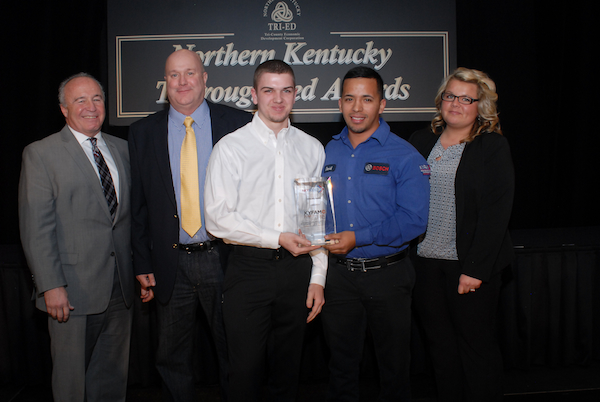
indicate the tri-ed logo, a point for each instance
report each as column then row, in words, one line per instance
column 281, row 14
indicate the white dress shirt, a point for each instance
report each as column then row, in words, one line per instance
column 86, row 145
column 249, row 193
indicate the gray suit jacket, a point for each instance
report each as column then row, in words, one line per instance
column 67, row 233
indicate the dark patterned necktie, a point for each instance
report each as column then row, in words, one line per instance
column 106, row 179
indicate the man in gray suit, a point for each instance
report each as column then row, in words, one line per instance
column 74, row 218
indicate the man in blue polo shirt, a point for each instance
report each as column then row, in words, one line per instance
column 381, row 199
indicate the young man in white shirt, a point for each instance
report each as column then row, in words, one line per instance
column 273, row 275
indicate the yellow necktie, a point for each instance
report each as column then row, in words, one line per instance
column 190, row 193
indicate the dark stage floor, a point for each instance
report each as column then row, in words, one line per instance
column 534, row 385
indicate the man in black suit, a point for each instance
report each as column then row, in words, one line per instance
column 177, row 261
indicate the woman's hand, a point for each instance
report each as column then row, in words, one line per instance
column 467, row 284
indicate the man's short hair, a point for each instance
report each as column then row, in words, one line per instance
column 61, row 87
column 365, row 72
column 275, row 67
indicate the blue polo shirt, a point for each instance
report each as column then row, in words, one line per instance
column 380, row 191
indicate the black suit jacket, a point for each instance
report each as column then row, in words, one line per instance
column 155, row 223
column 484, row 189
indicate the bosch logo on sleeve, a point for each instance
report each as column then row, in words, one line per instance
column 377, row 168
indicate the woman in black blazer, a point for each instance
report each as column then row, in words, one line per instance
column 466, row 246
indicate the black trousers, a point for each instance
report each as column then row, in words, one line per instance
column 198, row 286
column 460, row 332
column 264, row 308
column 381, row 301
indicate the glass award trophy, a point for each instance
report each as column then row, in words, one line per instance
column 314, row 204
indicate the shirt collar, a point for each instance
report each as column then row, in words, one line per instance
column 265, row 132
column 82, row 138
column 199, row 115
column 381, row 134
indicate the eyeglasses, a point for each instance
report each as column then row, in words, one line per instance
column 465, row 100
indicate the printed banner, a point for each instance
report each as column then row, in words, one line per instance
column 411, row 44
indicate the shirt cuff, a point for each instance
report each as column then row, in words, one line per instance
column 270, row 239
column 363, row 237
column 319, row 268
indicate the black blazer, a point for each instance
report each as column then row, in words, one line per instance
column 484, row 189
column 155, row 223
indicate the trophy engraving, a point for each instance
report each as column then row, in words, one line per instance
column 312, row 203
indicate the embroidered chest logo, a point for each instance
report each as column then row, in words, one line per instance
column 329, row 168
column 377, row 168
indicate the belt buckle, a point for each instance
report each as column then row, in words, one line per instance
column 193, row 247
column 360, row 261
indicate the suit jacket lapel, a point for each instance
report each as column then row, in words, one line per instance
column 123, row 177
column 81, row 160
column 216, row 122
column 161, row 149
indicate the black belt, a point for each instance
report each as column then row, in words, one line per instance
column 193, row 247
column 365, row 264
column 263, row 253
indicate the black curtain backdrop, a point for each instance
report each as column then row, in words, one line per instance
column 540, row 56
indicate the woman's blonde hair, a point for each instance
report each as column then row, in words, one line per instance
column 488, row 120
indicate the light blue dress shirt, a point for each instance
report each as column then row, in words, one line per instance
column 203, row 130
